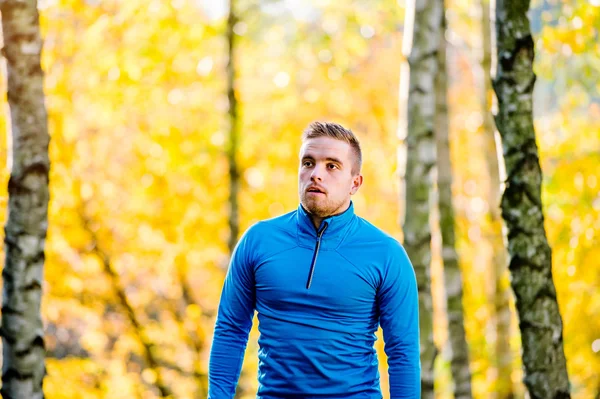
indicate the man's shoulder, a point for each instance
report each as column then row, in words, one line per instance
column 378, row 244
column 282, row 223
column 273, row 234
column 371, row 233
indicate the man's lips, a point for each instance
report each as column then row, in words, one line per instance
column 315, row 190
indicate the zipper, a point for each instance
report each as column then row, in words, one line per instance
column 315, row 254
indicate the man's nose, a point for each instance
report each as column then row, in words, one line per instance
column 316, row 174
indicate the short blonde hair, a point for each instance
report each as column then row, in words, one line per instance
column 338, row 132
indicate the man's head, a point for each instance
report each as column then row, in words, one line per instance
column 329, row 172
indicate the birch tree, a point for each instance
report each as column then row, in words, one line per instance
column 420, row 46
column 459, row 361
column 530, row 256
column 23, row 367
column 500, row 282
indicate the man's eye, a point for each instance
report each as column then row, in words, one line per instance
column 307, row 163
column 332, row 166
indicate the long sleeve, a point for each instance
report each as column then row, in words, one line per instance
column 399, row 318
column 234, row 321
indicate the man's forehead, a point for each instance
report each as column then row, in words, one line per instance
column 324, row 147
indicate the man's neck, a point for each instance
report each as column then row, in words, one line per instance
column 316, row 220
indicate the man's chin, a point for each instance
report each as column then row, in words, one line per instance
column 314, row 207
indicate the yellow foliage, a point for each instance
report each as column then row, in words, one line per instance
column 73, row 378
column 136, row 99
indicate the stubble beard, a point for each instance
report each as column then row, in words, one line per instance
column 322, row 207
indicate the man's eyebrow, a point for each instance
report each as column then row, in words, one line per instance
column 328, row 159
column 334, row 160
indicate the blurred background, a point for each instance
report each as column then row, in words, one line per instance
column 140, row 116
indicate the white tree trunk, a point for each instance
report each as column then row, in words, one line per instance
column 23, row 367
column 421, row 39
column 459, row 361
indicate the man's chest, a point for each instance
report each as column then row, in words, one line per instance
column 339, row 287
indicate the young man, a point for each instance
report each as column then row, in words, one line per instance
column 322, row 280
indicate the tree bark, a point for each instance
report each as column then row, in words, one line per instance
column 234, row 128
column 421, row 38
column 501, row 297
column 530, row 256
column 459, row 361
column 23, row 366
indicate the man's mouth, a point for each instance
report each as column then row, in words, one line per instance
column 315, row 190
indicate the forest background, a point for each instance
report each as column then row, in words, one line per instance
column 139, row 117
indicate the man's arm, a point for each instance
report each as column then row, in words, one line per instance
column 234, row 321
column 399, row 318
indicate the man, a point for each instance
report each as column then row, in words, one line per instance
column 322, row 280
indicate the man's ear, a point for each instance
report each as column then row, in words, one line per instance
column 357, row 181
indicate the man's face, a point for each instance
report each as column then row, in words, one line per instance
column 326, row 179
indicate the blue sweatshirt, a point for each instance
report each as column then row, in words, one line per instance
column 320, row 297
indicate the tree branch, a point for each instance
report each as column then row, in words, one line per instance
column 150, row 357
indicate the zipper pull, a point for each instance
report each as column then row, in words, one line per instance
column 320, row 232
